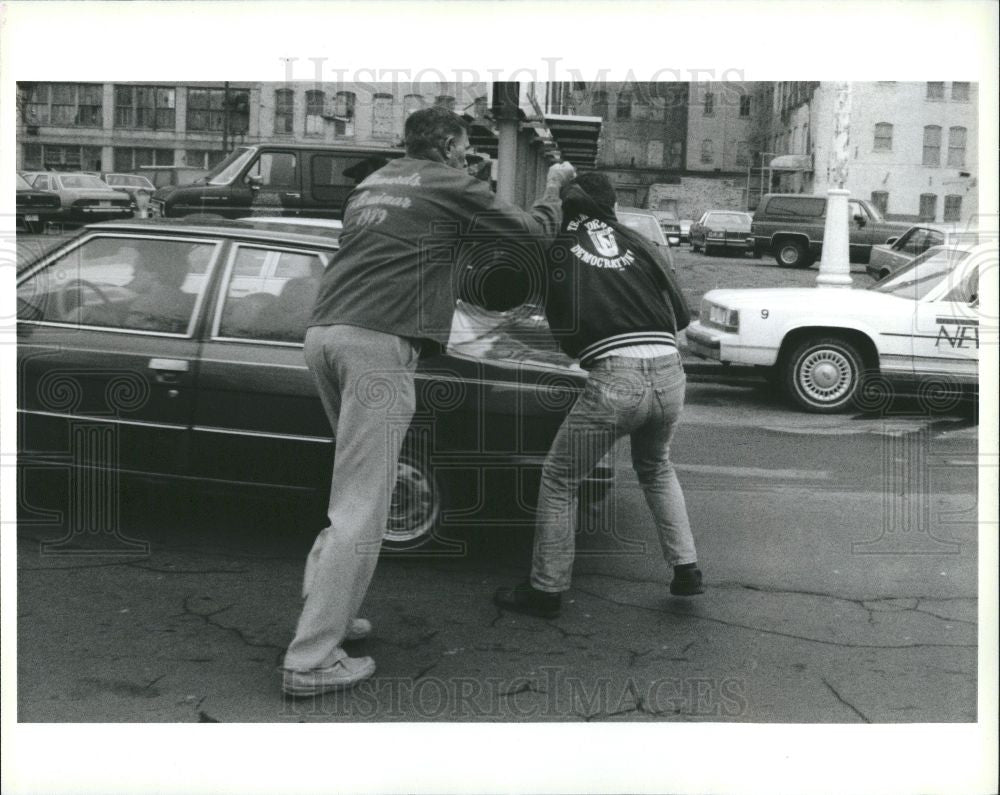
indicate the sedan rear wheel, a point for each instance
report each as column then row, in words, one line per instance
column 824, row 375
column 415, row 507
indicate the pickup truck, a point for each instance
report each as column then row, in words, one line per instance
column 789, row 227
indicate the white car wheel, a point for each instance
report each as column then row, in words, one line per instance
column 824, row 375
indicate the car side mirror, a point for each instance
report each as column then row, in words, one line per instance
column 890, row 241
column 859, row 220
column 254, row 181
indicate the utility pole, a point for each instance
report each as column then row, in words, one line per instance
column 225, row 119
column 505, row 112
column 835, row 265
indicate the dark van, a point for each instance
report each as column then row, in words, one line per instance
column 275, row 179
column 790, row 227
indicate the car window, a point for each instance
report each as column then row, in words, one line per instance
column 802, row 206
column 857, row 208
column 922, row 275
column 82, row 182
column 144, row 284
column 270, row 294
column 967, row 290
column 645, row 225
column 276, row 170
column 729, row 219
column 41, row 182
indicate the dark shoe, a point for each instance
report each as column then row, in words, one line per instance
column 526, row 599
column 687, row 581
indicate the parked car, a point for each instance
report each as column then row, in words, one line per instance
column 34, row 207
column 826, row 347
column 892, row 255
column 276, row 179
column 138, row 187
column 670, row 224
column 646, row 224
column 173, row 350
column 83, row 197
column 790, row 227
column 686, row 224
column 722, row 230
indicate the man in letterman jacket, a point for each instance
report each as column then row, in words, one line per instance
column 613, row 304
column 388, row 297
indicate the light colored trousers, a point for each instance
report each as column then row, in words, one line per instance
column 639, row 397
column 365, row 380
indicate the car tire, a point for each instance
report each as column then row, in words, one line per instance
column 791, row 253
column 416, row 505
column 823, row 375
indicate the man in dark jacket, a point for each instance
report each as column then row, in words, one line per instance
column 388, row 296
column 611, row 303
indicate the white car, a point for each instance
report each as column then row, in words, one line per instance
column 824, row 346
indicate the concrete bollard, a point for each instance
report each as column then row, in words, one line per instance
column 835, row 266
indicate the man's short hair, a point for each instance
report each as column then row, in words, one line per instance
column 427, row 130
column 598, row 187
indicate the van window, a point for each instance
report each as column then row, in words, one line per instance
column 276, row 170
column 335, row 176
column 802, row 206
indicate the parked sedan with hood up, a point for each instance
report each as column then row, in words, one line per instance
column 84, row 197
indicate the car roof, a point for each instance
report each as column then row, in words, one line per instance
column 241, row 228
column 635, row 211
column 346, row 149
column 320, row 223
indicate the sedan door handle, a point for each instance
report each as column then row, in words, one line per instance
column 167, row 371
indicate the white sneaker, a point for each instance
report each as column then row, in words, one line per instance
column 345, row 672
column 358, row 629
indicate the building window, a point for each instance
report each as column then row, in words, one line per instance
column 952, row 208
column 935, row 91
column 622, row 151
column 315, row 104
column 206, row 110
column 382, row 126
column 343, row 114
column 745, row 106
column 624, row 111
column 742, row 153
column 880, row 199
column 54, row 157
column 932, row 145
column 144, row 107
column 709, row 108
column 707, row 151
column 601, row 104
column 654, row 154
column 412, row 102
column 883, row 137
column 203, row 158
column 284, row 111
column 960, row 92
column 956, row 147
column 129, row 158
column 676, row 155
column 65, row 105
column 928, row 206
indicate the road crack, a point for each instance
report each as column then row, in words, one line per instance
column 844, row 701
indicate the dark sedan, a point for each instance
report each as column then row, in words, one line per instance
column 34, row 207
column 174, row 350
column 722, row 230
column 84, row 197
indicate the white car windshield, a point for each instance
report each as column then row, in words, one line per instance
column 228, row 169
column 82, row 181
column 922, row 275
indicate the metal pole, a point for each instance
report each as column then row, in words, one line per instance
column 225, row 119
column 505, row 112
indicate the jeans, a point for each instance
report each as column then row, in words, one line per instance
column 365, row 380
column 639, row 397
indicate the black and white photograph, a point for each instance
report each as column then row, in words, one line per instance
column 479, row 394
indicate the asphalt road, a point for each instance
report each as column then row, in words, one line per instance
column 839, row 553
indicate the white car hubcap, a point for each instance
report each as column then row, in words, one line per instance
column 414, row 508
column 826, row 376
